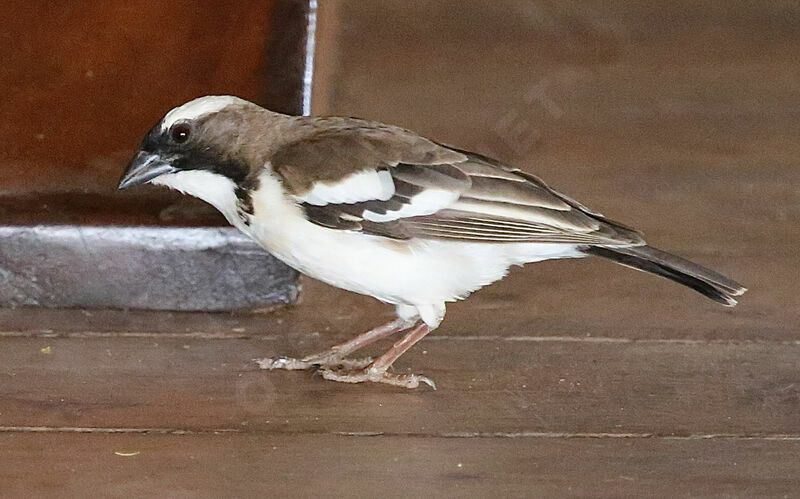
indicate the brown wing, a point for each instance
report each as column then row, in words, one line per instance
column 389, row 182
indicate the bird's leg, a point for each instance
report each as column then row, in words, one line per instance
column 335, row 356
column 378, row 371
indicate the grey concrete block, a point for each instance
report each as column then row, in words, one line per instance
column 161, row 268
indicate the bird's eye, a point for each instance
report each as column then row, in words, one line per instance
column 180, row 132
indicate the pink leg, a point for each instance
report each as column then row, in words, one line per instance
column 378, row 371
column 335, row 356
column 371, row 336
column 386, row 360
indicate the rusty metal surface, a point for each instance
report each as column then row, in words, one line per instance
column 161, row 268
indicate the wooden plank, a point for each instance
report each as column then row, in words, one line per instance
column 670, row 86
column 501, row 386
column 255, row 465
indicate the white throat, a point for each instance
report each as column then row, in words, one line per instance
column 217, row 190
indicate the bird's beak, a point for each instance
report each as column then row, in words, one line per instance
column 143, row 168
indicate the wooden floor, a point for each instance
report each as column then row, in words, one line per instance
column 571, row 378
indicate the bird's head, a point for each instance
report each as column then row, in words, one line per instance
column 206, row 148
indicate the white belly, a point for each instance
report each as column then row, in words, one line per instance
column 416, row 272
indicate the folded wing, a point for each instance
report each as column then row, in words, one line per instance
column 389, row 182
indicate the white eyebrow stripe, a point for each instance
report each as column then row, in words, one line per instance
column 196, row 108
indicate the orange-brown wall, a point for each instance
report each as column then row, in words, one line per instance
column 82, row 81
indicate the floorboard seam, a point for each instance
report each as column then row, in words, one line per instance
column 134, row 334
column 464, row 435
column 94, row 429
column 487, row 338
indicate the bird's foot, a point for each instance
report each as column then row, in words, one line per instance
column 329, row 360
column 364, row 374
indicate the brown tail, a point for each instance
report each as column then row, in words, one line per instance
column 707, row 282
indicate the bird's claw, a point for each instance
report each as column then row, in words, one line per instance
column 364, row 374
column 325, row 360
column 286, row 363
